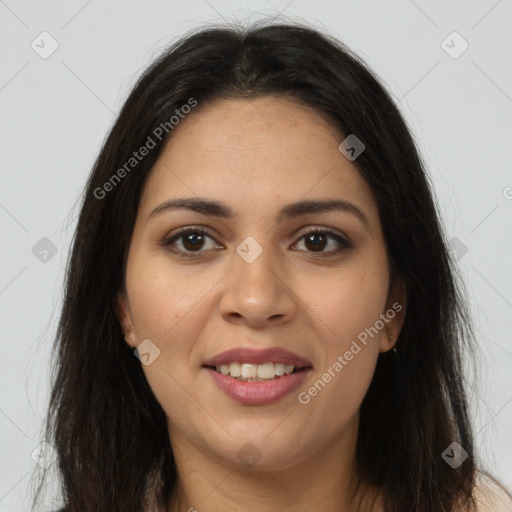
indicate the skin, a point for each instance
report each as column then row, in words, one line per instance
column 257, row 156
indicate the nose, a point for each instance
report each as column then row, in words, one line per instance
column 258, row 292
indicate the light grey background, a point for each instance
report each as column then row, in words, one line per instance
column 55, row 113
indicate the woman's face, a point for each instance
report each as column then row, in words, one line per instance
column 256, row 292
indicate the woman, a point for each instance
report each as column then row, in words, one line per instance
column 260, row 311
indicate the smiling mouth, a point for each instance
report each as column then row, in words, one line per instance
column 250, row 372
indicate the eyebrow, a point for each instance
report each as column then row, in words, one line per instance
column 290, row 211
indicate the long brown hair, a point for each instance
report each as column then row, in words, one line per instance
column 109, row 430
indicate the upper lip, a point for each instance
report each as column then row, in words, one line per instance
column 258, row 356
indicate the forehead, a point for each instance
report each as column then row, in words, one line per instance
column 255, row 154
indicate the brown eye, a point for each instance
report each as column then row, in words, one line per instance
column 189, row 242
column 193, row 241
column 317, row 240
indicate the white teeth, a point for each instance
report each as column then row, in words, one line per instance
column 279, row 367
column 266, row 371
column 249, row 370
column 255, row 372
column 235, row 369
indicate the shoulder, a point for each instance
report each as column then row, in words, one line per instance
column 491, row 496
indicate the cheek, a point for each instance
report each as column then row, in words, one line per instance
column 169, row 314
column 166, row 309
column 347, row 308
column 349, row 354
column 331, row 402
column 169, row 307
column 348, row 301
column 162, row 296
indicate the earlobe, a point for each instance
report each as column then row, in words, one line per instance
column 124, row 317
column 395, row 313
column 388, row 339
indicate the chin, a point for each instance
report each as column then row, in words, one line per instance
column 262, row 452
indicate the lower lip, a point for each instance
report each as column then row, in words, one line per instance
column 258, row 393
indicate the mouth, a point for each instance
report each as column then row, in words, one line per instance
column 257, row 377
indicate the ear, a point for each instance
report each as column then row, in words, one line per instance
column 394, row 315
column 125, row 319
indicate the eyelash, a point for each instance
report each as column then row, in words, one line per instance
column 168, row 241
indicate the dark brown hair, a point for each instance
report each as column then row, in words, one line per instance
column 104, row 421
